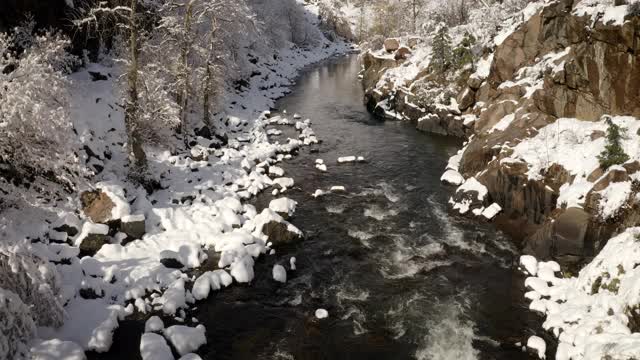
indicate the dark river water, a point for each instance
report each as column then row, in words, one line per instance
column 400, row 276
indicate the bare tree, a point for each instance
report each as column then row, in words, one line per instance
column 415, row 9
column 127, row 18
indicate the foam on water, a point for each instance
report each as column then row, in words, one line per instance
column 351, row 294
column 450, row 335
column 454, row 236
column 357, row 318
column 383, row 189
column 360, row 235
column 378, row 213
column 335, row 209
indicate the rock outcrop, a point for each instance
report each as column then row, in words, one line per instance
column 97, row 206
column 422, row 98
column 558, row 64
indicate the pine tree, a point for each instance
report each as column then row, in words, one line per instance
column 462, row 54
column 613, row 153
column 441, row 50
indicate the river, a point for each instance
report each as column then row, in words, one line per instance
column 400, row 276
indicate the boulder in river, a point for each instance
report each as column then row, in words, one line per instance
column 278, row 231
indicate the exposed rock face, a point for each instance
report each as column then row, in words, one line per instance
column 566, row 235
column 391, row 45
column 394, row 100
column 592, row 69
column 280, row 234
column 133, row 226
column 413, row 41
column 92, row 243
column 97, row 206
column 334, row 22
column 402, row 54
column 600, row 73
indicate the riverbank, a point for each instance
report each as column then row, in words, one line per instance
column 398, row 276
column 539, row 126
column 135, row 254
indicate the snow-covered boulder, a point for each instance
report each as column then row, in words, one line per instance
column 154, row 347
column 452, row 177
column 278, row 231
column 284, row 207
column 186, row 339
column 105, row 204
column 321, row 314
column 211, row 280
column 154, row 324
column 92, row 238
column 470, row 195
column 279, row 273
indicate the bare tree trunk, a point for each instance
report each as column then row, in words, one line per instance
column 184, row 97
column 207, row 88
column 138, row 158
column 414, row 3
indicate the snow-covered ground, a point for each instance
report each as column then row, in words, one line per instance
column 200, row 210
column 594, row 315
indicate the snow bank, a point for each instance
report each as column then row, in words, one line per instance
column 55, row 350
column 591, row 314
column 211, row 280
column 571, row 144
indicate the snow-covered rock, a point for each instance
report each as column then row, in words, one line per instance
column 186, row 339
column 279, row 273
column 285, row 207
column 154, row 347
column 154, row 324
column 322, row 314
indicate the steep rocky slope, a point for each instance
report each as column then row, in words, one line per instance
column 567, row 61
column 534, row 113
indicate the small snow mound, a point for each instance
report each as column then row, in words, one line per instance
column 536, row 343
column 279, row 273
column 186, row 339
column 322, row 314
column 56, row 349
column 491, row 212
column 154, row 347
column 452, row 177
column 283, row 206
column 347, row 159
column 530, row 264
column 154, row 324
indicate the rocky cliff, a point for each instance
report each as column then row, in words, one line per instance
column 399, row 85
column 534, row 115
